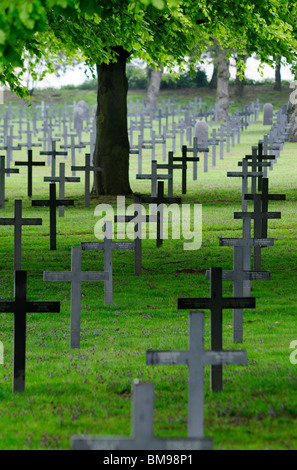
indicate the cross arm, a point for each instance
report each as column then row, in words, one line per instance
column 244, row 242
column 43, row 307
column 224, row 303
column 264, row 215
column 167, row 357
column 225, row 357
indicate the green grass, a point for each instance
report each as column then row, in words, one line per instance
column 89, row 390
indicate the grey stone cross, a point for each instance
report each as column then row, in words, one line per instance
column 143, row 430
column 76, row 276
column 195, row 358
column 87, row 169
column 216, row 303
column 108, row 246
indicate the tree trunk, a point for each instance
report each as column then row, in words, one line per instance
column 112, row 144
column 155, row 77
column 214, row 78
column 223, row 85
column 278, row 82
column 239, row 83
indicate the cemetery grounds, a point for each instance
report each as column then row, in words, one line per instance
column 88, row 390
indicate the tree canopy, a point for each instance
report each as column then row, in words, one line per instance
column 162, row 31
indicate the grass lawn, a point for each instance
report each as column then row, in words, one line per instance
column 88, row 391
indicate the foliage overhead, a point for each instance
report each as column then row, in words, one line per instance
column 163, row 31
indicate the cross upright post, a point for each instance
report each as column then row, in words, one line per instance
column 29, row 164
column 76, row 276
column 216, row 303
column 18, row 221
column 53, row 203
column 196, row 358
column 20, row 307
column 87, row 169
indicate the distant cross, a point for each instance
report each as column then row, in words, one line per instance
column 29, row 164
column 170, row 166
column 157, row 203
column 9, row 149
column 258, row 215
column 262, row 161
column 20, row 307
column 244, row 174
column 195, row 358
column 108, row 246
column 143, row 430
column 18, row 221
column 154, row 177
column 195, row 150
column 262, row 227
column 138, row 219
column 256, row 166
column 76, row 276
column 184, row 159
column 3, row 172
column 53, row 203
column 216, row 303
column 72, row 148
column 87, row 169
column 53, row 153
column 62, row 179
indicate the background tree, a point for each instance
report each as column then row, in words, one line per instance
column 108, row 33
column 277, row 81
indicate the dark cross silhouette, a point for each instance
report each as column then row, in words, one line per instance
column 158, row 201
column 53, row 203
column 216, row 303
column 29, row 164
column 20, row 307
column 18, row 221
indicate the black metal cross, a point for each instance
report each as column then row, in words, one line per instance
column 216, row 303
column 158, row 202
column 53, row 203
column 18, row 221
column 29, row 163
column 20, row 307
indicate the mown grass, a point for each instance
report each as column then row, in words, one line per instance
column 88, row 391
